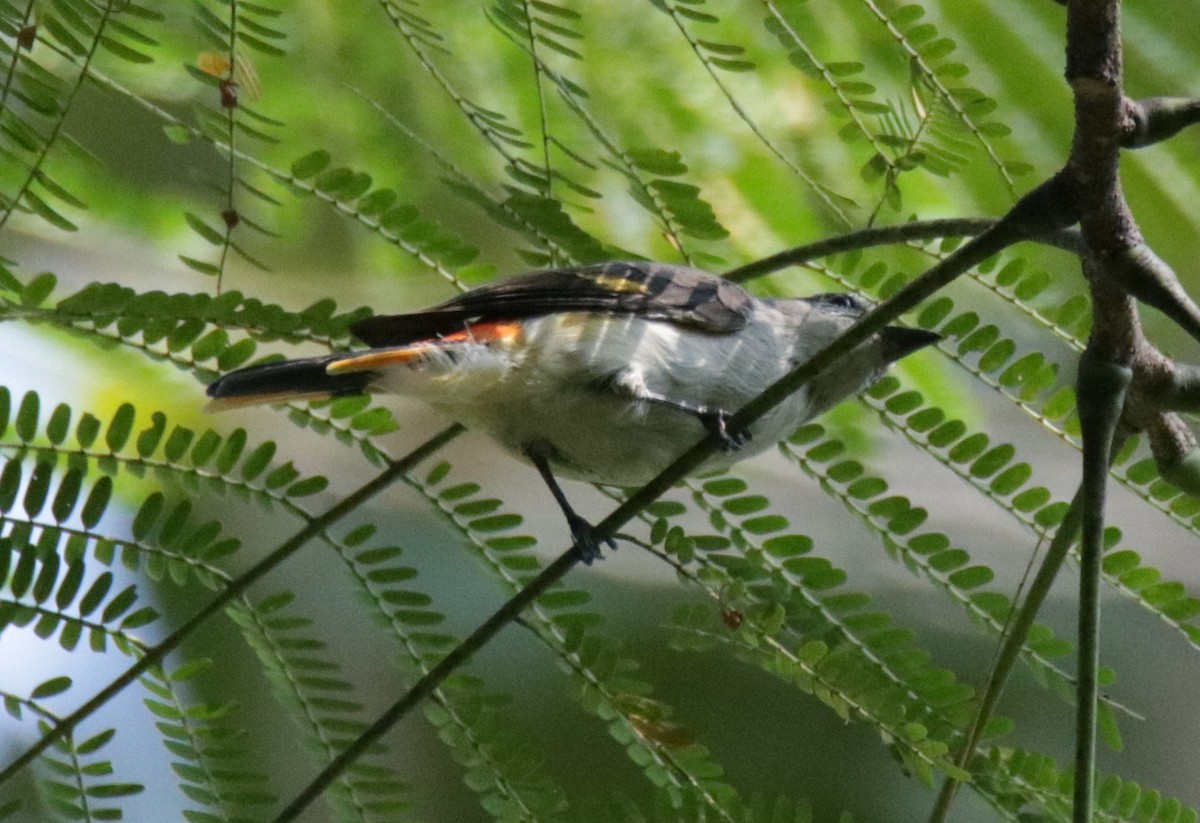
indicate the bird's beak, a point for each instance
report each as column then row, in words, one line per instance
column 899, row 342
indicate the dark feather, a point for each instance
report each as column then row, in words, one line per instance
column 676, row 294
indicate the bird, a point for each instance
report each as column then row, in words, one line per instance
column 604, row 373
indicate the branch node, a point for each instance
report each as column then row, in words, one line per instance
column 1175, row 451
column 1152, row 281
column 1159, row 118
column 1100, row 391
column 1174, row 388
column 1052, row 206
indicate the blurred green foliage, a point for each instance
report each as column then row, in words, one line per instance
column 199, row 184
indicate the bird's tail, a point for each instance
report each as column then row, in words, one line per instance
column 307, row 379
column 410, row 365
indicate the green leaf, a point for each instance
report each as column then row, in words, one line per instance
column 69, row 586
column 307, row 486
column 281, row 476
column 147, row 516
column 206, row 231
column 120, row 428
column 947, row 433
column 95, row 594
column 787, row 545
column 739, row 66
column 67, row 495
column 149, row 438
column 968, row 448
column 971, row 577
column 120, row 604
column 27, row 417
column 204, row 449
column 42, row 209
column 207, row 269
column 59, row 424
column 657, row 161
column 993, row 460
column 50, row 688
column 747, row 504
column 10, row 484
column 237, row 354
column 177, row 444
column 311, row 164
column 96, row 742
column 1011, row 479
column 86, row 432
column 496, row 523
column 124, row 52
column 38, row 488
column 258, row 460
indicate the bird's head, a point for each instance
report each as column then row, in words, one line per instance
column 820, row 320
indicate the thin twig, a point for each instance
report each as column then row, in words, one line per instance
column 1063, row 238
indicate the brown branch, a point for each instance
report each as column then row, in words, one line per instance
column 1159, row 118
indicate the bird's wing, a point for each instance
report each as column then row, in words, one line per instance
column 676, row 294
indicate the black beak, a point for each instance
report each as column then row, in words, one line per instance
column 899, row 342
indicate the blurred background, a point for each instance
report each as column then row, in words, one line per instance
column 714, row 133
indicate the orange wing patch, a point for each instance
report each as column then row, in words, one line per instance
column 487, row 332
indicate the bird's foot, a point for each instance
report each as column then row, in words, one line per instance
column 588, row 542
column 717, row 424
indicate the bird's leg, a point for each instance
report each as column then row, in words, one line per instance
column 629, row 383
column 714, row 420
column 586, row 539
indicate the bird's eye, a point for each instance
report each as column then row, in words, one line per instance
column 843, row 301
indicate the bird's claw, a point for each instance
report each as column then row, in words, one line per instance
column 717, row 424
column 587, row 540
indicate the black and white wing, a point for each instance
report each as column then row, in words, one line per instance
column 675, row 294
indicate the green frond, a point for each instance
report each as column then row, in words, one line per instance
column 1029, row 380
column 837, row 677
column 546, row 25
column 1032, row 783
column 767, row 566
column 686, row 214
column 726, row 57
column 74, row 781
column 402, row 223
column 211, row 753
column 500, row 766
column 926, row 51
column 854, row 98
column 604, row 679
column 27, row 184
column 463, row 714
column 493, row 126
column 930, row 554
column 145, row 150
column 995, row 471
column 321, row 699
column 797, row 602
